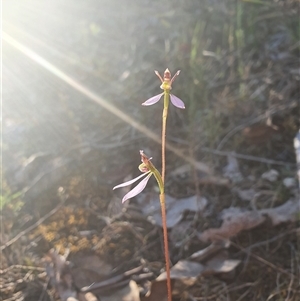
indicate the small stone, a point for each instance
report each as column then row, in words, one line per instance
column 289, row 182
column 247, row 194
column 271, row 175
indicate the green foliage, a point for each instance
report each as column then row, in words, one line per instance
column 10, row 198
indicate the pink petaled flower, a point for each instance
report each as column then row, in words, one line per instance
column 166, row 86
column 138, row 188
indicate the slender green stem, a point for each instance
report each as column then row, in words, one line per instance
column 159, row 180
column 163, row 135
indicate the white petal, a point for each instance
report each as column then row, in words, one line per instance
column 152, row 100
column 131, row 181
column 137, row 189
column 177, row 102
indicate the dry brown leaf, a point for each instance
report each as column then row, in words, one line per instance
column 220, row 264
column 284, row 213
column 128, row 293
column 184, row 270
column 245, row 194
column 185, row 273
column 208, row 252
column 234, row 221
column 175, row 208
column 158, row 291
column 87, row 297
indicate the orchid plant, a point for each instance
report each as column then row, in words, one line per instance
column 147, row 167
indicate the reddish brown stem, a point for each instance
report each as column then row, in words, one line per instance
column 166, row 243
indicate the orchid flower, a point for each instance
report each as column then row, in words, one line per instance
column 166, row 86
column 147, row 169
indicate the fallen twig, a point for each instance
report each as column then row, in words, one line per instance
column 40, row 221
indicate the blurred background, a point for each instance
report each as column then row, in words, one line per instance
column 239, row 80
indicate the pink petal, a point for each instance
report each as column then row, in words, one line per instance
column 137, row 189
column 152, row 100
column 130, row 182
column 177, row 102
